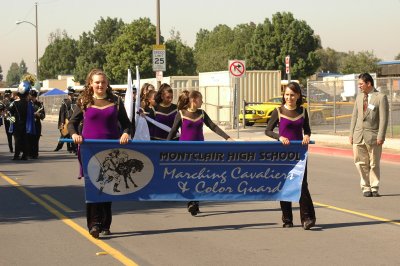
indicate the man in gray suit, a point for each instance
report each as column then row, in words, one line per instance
column 367, row 133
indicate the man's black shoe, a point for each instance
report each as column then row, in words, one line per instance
column 287, row 225
column 308, row 224
column 193, row 208
column 367, row 194
column 375, row 194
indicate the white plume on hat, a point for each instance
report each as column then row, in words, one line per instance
column 24, row 87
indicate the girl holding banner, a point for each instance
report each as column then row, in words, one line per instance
column 190, row 119
column 293, row 120
column 148, row 110
column 101, row 111
column 165, row 111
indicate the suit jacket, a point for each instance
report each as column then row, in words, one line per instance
column 373, row 124
column 66, row 111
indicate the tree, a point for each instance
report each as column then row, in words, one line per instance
column 242, row 35
column 23, row 69
column 285, row 35
column 13, row 75
column 93, row 47
column 397, row 57
column 330, row 60
column 212, row 49
column 180, row 57
column 361, row 62
column 132, row 48
column 2, row 82
column 59, row 57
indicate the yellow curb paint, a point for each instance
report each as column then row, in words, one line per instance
column 372, row 217
column 104, row 246
column 57, row 203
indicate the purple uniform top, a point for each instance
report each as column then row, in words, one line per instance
column 192, row 129
column 292, row 123
column 166, row 116
column 191, row 124
column 291, row 128
column 101, row 123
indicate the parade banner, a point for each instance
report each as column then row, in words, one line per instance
column 192, row 170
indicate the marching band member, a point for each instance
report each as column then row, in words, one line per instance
column 22, row 111
column 8, row 99
column 66, row 110
column 165, row 111
column 293, row 120
column 39, row 114
column 190, row 119
column 104, row 117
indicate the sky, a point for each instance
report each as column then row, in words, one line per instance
column 343, row 25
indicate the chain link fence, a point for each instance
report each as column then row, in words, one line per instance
column 331, row 103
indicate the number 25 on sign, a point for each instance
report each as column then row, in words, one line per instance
column 159, row 62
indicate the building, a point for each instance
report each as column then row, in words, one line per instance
column 389, row 68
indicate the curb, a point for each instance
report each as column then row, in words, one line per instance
column 387, row 157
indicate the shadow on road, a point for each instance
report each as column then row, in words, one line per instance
column 189, row 229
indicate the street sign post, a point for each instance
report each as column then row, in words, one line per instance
column 159, row 76
column 287, row 66
column 237, row 69
column 159, row 58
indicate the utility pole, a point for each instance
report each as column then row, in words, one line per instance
column 158, row 33
column 37, row 85
column 37, row 43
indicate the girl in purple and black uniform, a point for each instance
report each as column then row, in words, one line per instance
column 293, row 120
column 104, row 117
column 165, row 111
column 148, row 110
column 190, row 119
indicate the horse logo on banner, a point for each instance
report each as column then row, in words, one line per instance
column 109, row 167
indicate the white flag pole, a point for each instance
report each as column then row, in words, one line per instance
column 129, row 97
column 138, row 100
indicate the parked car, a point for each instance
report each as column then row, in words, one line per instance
column 261, row 113
column 318, row 95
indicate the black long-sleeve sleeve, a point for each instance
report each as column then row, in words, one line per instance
column 126, row 126
column 208, row 122
column 272, row 123
column 175, row 127
column 306, row 125
column 75, row 120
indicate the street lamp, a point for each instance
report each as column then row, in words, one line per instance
column 37, row 45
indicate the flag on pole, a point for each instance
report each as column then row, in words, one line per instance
column 138, row 100
column 142, row 129
column 129, row 97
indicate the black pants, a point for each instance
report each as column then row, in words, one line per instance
column 99, row 214
column 71, row 147
column 306, row 205
column 34, row 141
column 9, row 135
column 33, row 145
column 21, row 142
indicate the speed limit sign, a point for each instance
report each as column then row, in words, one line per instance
column 159, row 58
